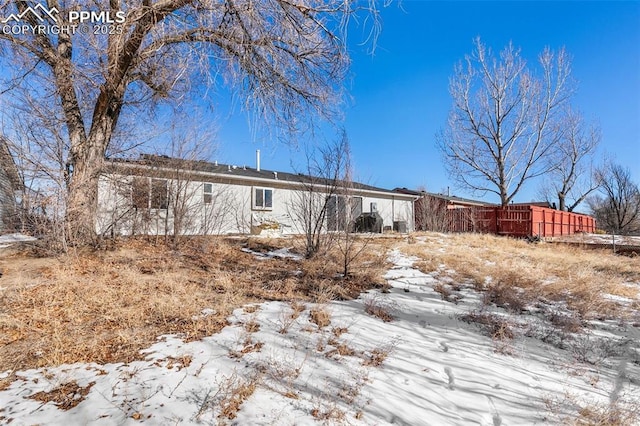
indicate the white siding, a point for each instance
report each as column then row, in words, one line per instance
column 230, row 211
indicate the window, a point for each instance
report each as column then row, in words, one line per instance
column 140, row 193
column 207, row 190
column 336, row 213
column 152, row 193
column 338, row 216
column 262, row 199
column 356, row 207
column 159, row 194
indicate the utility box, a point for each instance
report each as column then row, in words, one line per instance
column 369, row 222
column 400, row 226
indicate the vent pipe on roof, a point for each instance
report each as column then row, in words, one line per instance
column 257, row 159
column 275, row 174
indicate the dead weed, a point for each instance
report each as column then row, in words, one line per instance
column 66, row 396
column 105, row 306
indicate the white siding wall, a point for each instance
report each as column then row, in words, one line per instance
column 231, row 209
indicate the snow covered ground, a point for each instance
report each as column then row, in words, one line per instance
column 274, row 365
column 9, row 239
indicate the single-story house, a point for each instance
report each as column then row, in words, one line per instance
column 161, row 195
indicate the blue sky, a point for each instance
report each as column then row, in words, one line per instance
column 400, row 96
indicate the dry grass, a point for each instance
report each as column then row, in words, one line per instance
column 448, row 291
column 495, row 326
column 320, row 317
column 238, row 391
column 592, row 413
column 376, row 357
column 378, row 308
column 66, row 396
column 607, row 415
column 329, row 415
column 515, row 274
column 339, row 331
column 251, row 326
column 105, row 306
column 340, row 348
column 248, row 348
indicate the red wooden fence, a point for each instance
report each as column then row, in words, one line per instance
column 519, row 221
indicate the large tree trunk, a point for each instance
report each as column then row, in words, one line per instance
column 562, row 202
column 87, row 160
column 82, row 202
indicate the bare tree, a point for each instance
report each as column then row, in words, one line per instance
column 504, row 119
column 616, row 207
column 322, row 182
column 38, row 151
column 347, row 211
column 286, row 59
column 431, row 213
column 571, row 178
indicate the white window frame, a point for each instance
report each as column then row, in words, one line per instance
column 150, row 194
column 254, row 198
column 205, row 193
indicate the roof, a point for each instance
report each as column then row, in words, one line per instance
column 449, row 198
column 227, row 170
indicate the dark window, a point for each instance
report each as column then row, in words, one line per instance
column 356, row 207
column 336, row 213
column 208, row 193
column 263, row 199
column 159, row 194
column 140, row 193
column 268, row 198
column 259, row 197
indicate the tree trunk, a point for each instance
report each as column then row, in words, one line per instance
column 82, row 204
column 561, row 202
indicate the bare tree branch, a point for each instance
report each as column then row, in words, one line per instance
column 503, row 121
column 616, row 207
column 570, row 178
column 285, row 58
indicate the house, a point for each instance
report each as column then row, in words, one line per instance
column 9, row 183
column 161, row 195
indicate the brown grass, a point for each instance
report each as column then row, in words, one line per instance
column 494, row 326
column 375, row 358
column 66, row 396
column 320, row 317
column 521, row 273
column 105, row 306
column 238, row 392
column 378, row 308
column 341, row 349
column 249, row 346
column 251, row 326
column 591, row 413
column 339, row 331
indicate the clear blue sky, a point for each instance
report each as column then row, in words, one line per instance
column 400, row 94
